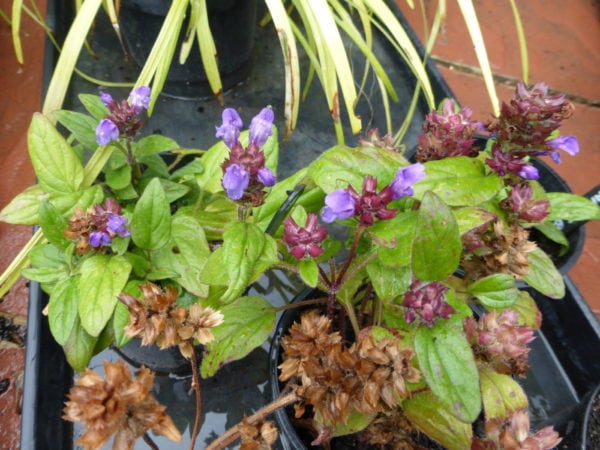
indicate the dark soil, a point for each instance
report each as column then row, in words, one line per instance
column 593, row 430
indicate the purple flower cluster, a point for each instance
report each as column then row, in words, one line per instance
column 123, row 119
column 426, row 302
column 107, row 223
column 244, row 172
column 520, row 202
column 304, row 241
column 370, row 204
column 448, row 134
column 524, row 129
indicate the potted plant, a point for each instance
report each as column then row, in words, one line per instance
column 179, row 243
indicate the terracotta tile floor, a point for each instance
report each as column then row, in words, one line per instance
column 563, row 39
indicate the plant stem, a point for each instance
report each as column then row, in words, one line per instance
column 148, row 440
column 313, row 301
column 340, row 278
column 233, row 433
column 352, row 316
column 196, row 386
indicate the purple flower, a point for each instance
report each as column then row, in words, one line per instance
column 528, row 172
column 98, row 238
column 230, row 129
column 304, row 241
column 139, row 98
column 568, row 144
column 405, row 177
column 339, row 205
column 106, row 131
column 235, row 181
column 261, row 127
column 266, row 177
column 427, row 302
column 106, row 98
column 115, row 224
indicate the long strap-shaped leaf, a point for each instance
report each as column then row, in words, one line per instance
column 292, row 65
column 63, row 71
column 158, row 62
column 390, row 21
column 15, row 26
column 468, row 12
column 208, row 50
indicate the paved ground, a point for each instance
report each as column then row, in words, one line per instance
column 563, row 39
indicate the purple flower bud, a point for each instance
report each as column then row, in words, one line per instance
column 339, row 205
column 230, row 129
column 405, row 177
column 261, row 127
column 98, row 238
column 528, row 172
column 568, row 144
column 115, row 224
column 106, row 98
column 106, row 131
column 426, row 301
column 266, row 177
column 235, row 181
column 304, row 241
column 139, row 98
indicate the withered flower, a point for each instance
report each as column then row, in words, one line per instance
column 390, row 430
column 498, row 340
column 157, row 319
column 260, row 436
column 426, row 302
column 117, row 405
column 497, row 251
column 516, row 435
column 384, row 367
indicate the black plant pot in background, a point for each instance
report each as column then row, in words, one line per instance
column 232, row 23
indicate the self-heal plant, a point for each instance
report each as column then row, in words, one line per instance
column 415, row 323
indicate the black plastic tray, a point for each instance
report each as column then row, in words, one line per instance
column 191, row 123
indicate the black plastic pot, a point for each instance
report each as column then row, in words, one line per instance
column 563, row 374
column 232, row 23
column 169, row 360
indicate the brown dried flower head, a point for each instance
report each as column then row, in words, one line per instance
column 516, row 435
column 260, row 436
column 157, row 319
column 117, row 405
column 498, row 251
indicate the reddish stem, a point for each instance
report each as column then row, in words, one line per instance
column 196, row 387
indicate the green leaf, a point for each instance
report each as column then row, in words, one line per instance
column 216, row 214
column 56, row 165
column 247, row 253
column 496, row 291
column 543, row 275
column 151, row 221
column 469, row 217
column 434, row 419
column 572, row 207
column 340, row 166
column 192, row 168
column 48, row 266
column 187, row 254
column 53, row 225
column 94, row 105
column 81, row 126
column 66, row 203
column 248, row 321
column 448, row 365
column 437, row 245
column 23, row 208
column 102, row 280
column 355, row 422
column 395, row 238
column 501, row 395
column 155, row 143
column 526, row 308
column 79, row 347
column 118, row 178
column 173, row 190
column 62, row 308
column 550, row 230
column 309, row 271
column 459, row 181
column 389, row 281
